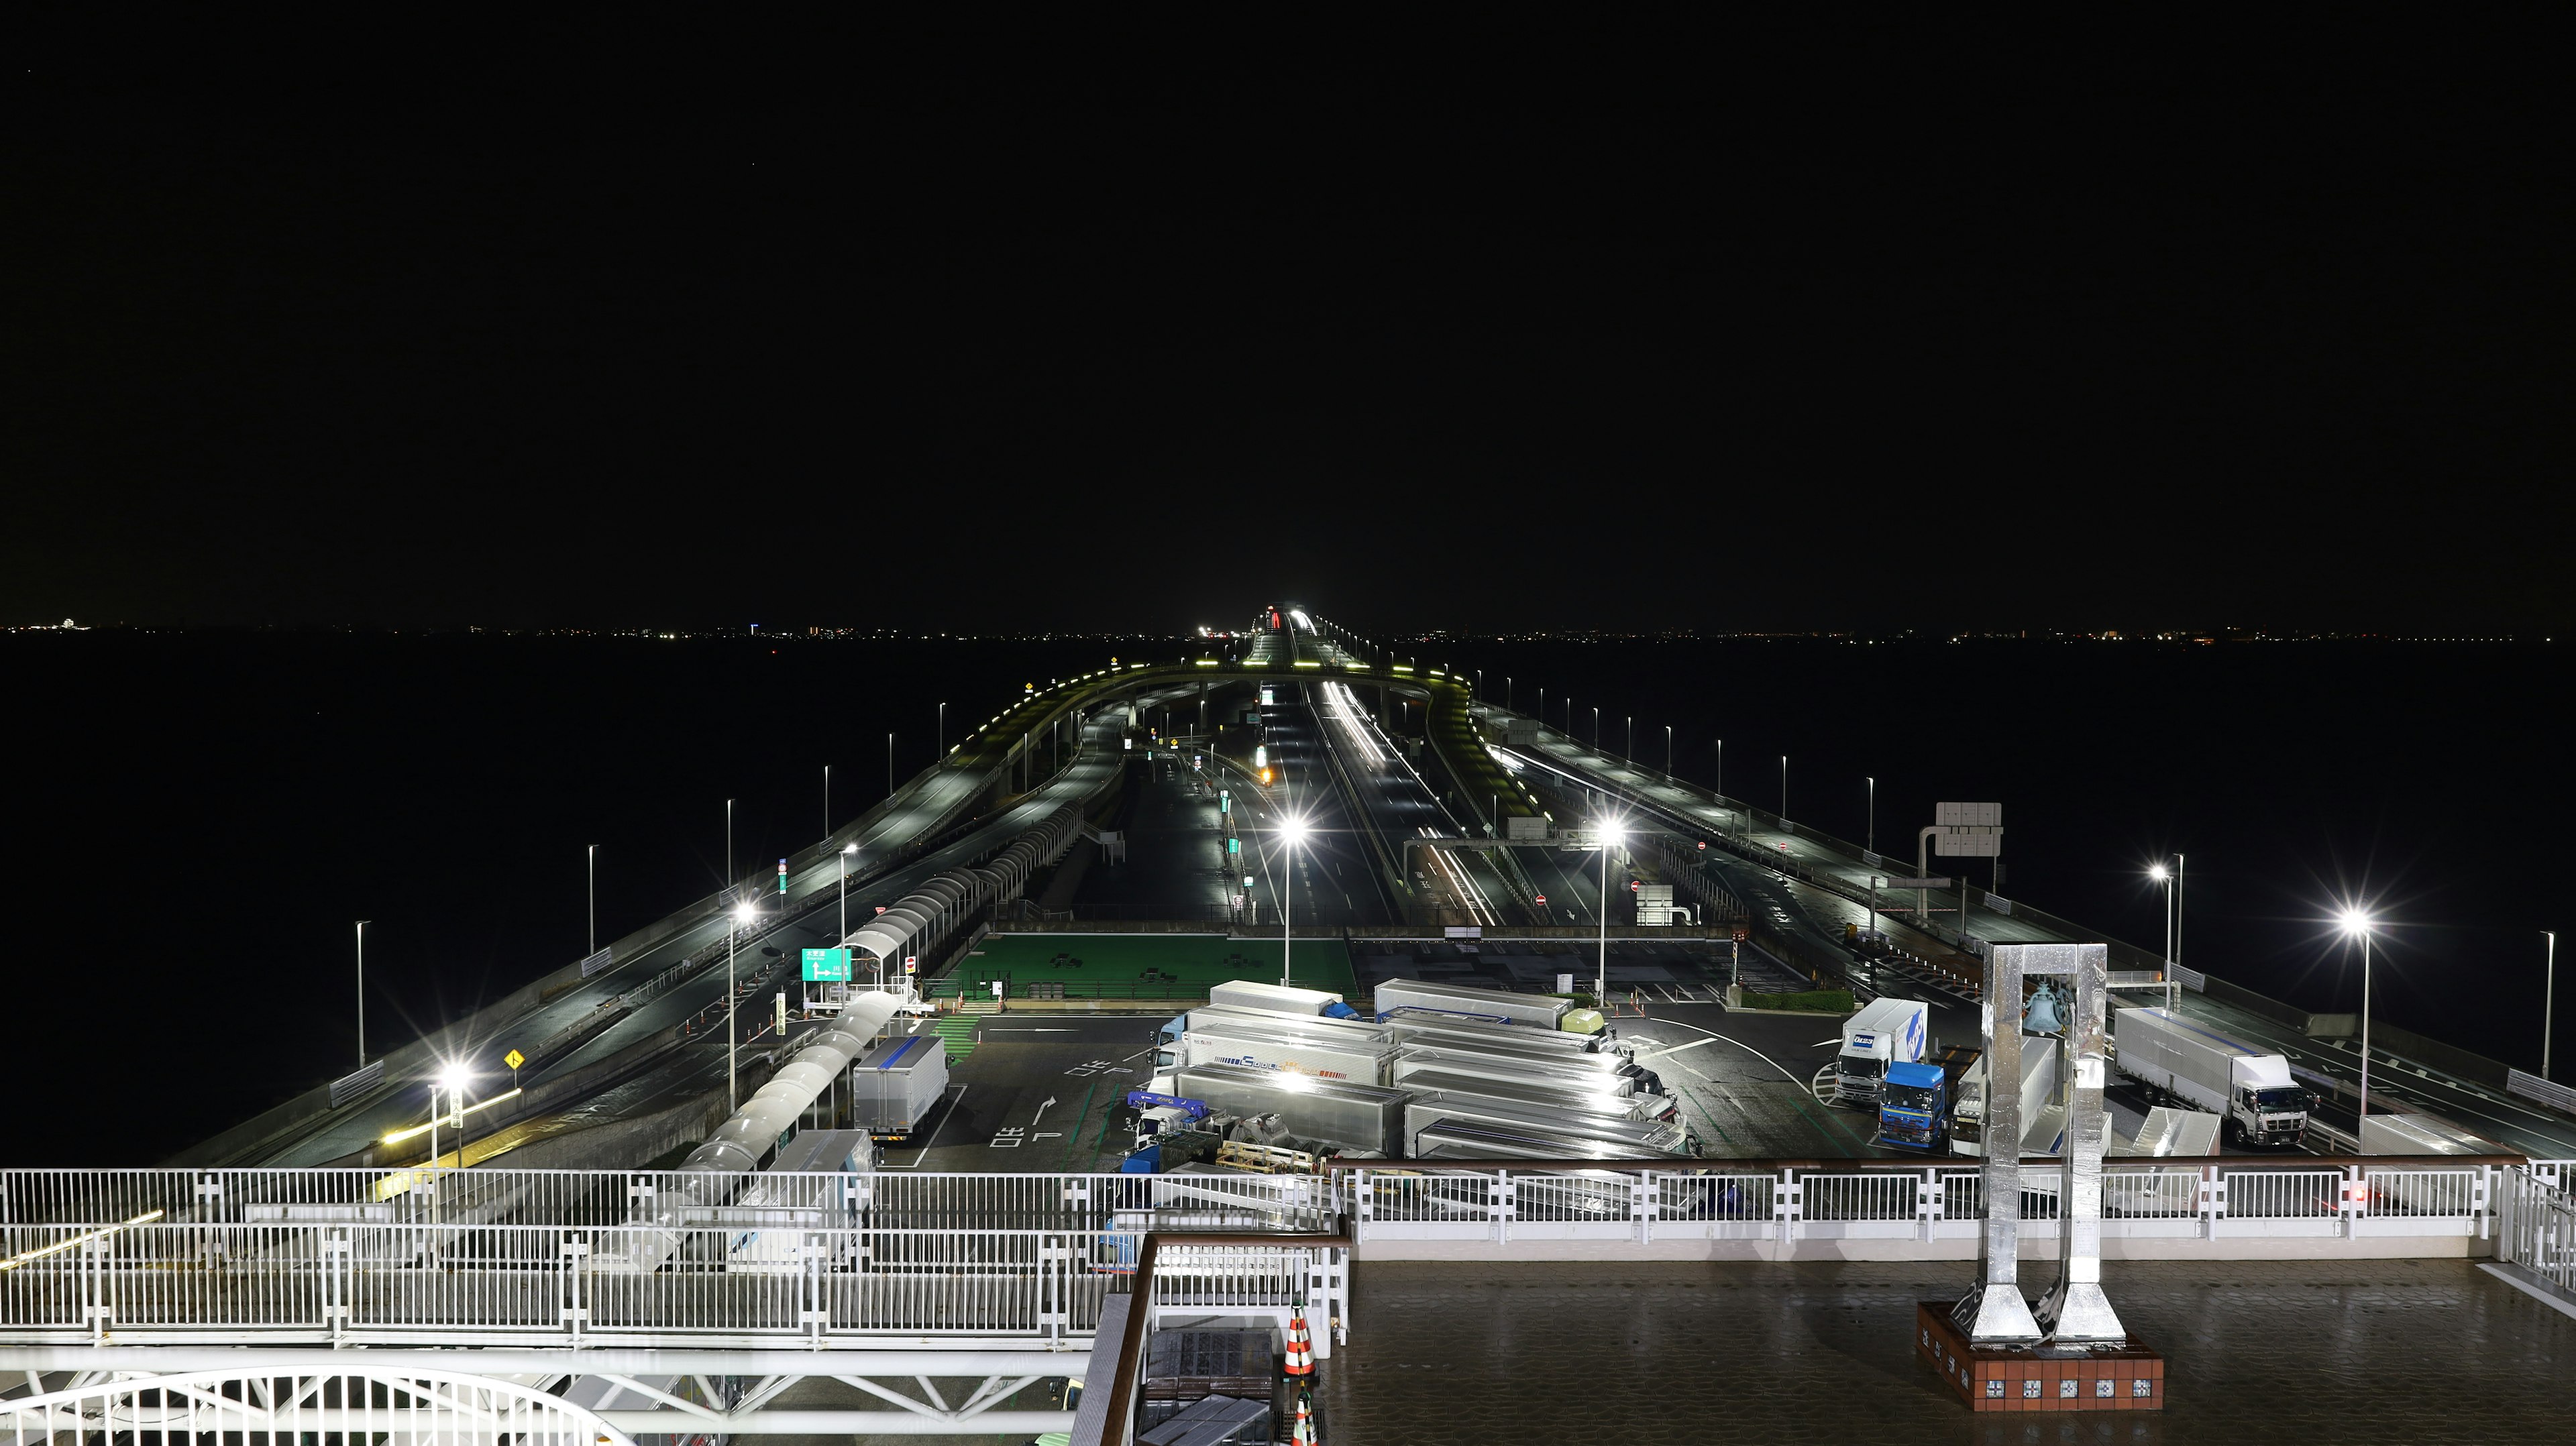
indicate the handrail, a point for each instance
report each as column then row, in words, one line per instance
column 1670, row 1166
column 1120, row 1423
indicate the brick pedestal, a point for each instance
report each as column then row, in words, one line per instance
column 2040, row 1378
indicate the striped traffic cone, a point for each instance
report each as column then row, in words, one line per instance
column 1304, row 1435
column 1301, row 1348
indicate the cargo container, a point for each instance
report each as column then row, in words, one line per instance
column 1646, row 1137
column 2416, row 1133
column 1460, row 1140
column 1539, row 1011
column 1315, row 1026
column 817, row 1181
column 1331, row 1112
column 2169, row 1132
column 2043, row 1121
column 1276, row 1042
column 2248, row 1087
column 1544, row 1094
column 895, row 1086
column 1884, row 1032
column 1272, row 998
column 1629, row 1080
column 1428, row 1027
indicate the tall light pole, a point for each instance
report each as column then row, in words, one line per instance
column 2354, row 921
column 1596, row 729
column 827, row 800
column 1610, row 837
column 2548, row 1003
column 1631, row 755
column 362, row 1000
column 729, row 879
column 742, row 915
column 889, row 765
column 1668, row 751
column 1872, row 841
column 1784, row 790
column 2164, row 890
column 1292, row 831
column 2176, row 958
column 844, row 857
column 939, row 742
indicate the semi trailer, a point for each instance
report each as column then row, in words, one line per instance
column 2247, row 1087
column 1538, row 1011
column 1644, row 1137
column 1295, row 1046
column 2043, row 1122
column 894, row 1086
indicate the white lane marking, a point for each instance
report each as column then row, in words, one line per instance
column 935, row 1134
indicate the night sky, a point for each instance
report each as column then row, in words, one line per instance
column 571, row 348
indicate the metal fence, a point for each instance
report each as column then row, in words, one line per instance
column 540, row 1256
column 2197, row 1200
column 2537, row 1224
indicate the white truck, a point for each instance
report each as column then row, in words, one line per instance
column 2043, row 1123
column 2248, row 1088
column 1885, row 1032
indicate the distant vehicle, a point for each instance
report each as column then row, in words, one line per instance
column 1885, row 1032
column 2249, row 1088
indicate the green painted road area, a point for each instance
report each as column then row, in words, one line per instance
column 1147, row 966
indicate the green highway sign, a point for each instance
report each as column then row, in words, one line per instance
column 827, row 966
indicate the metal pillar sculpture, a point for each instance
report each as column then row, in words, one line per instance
column 2074, row 1311
column 1993, row 1312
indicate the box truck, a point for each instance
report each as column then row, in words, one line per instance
column 2043, row 1120
column 1277, row 999
column 1884, row 1032
column 894, row 1086
column 2247, row 1087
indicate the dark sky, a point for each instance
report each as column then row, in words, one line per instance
column 552, row 348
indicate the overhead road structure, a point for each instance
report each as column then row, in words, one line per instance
column 1813, row 886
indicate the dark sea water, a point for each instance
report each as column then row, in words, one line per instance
column 194, row 821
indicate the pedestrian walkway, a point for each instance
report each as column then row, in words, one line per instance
column 2420, row 1351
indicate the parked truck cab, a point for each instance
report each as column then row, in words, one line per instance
column 1914, row 1106
column 1885, row 1032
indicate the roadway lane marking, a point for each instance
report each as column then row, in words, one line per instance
column 926, row 1145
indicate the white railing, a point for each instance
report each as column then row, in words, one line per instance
column 412, row 1408
column 1930, row 1203
column 538, row 1257
column 2537, row 1227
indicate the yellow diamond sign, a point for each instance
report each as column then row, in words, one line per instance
column 514, row 1059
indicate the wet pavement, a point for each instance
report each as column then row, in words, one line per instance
column 2397, row 1350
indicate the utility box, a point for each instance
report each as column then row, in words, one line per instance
column 1521, row 731
column 1655, row 905
column 894, row 1087
column 1525, row 826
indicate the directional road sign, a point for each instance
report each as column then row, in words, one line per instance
column 827, row 966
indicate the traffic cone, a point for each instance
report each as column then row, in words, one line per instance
column 1301, row 1347
column 1304, row 1434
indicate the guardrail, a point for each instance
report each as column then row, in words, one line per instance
column 1781, row 1204
column 539, row 1257
column 2538, row 1225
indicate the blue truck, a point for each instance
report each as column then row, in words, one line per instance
column 1916, row 1097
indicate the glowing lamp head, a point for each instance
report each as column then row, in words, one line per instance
column 452, row 1079
column 744, row 914
column 1293, row 829
column 2353, row 921
column 2158, row 873
column 1613, row 833
column 850, row 848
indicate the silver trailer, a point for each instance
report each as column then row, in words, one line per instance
column 2249, row 1088
column 1315, row 1027
column 1279, row 1043
column 1603, row 1073
column 1544, row 1094
column 1271, row 998
column 894, row 1086
column 1538, row 1011
column 1351, row 1116
column 1642, row 1137
column 1459, row 1140
column 817, row 1182
column 1452, row 1033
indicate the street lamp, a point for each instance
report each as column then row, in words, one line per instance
column 939, row 741
column 844, row 857
column 362, row 1001
column 1611, row 836
column 1872, row 843
column 2355, row 922
column 729, row 878
column 1784, row 790
column 2164, row 877
column 742, row 914
column 1292, row 832
column 2548, row 1000
column 1668, row 752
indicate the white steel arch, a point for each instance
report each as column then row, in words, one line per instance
column 274, row 1407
